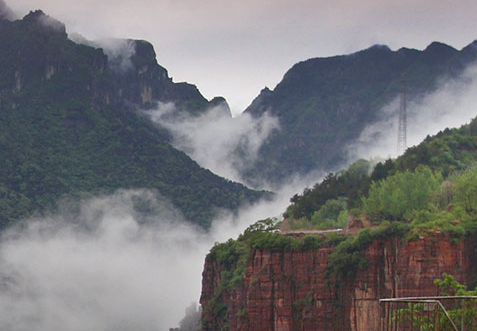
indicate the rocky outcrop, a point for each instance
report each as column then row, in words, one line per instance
column 119, row 72
column 284, row 291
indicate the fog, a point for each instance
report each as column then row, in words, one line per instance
column 225, row 145
column 452, row 104
column 51, row 23
column 119, row 51
column 98, row 264
column 6, row 12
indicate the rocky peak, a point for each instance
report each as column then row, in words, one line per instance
column 379, row 48
column 221, row 103
column 265, row 91
column 260, row 104
column 47, row 23
column 145, row 50
column 440, row 49
column 469, row 52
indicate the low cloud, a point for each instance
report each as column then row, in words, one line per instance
column 6, row 13
column 51, row 23
column 101, row 267
column 191, row 320
column 452, row 104
column 225, row 145
column 105, row 264
column 119, row 51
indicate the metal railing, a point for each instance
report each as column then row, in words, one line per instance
column 437, row 313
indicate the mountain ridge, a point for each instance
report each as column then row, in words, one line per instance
column 69, row 124
column 323, row 104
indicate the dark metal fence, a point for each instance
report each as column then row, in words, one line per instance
column 440, row 313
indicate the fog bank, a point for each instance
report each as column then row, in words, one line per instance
column 225, row 145
column 99, row 264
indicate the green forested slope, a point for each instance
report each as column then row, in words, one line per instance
column 427, row 178
column 69, row 125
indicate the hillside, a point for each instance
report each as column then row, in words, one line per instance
column 446, row 157
column 400, row 225
column 69, row 125
column 323, row 104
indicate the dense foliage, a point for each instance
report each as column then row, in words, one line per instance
column 425, row 177
column 399, row 196
column 347, row 184
column 432, row 187
column 68, row 126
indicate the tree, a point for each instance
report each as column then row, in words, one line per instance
column 466, row 190
column 399, row 196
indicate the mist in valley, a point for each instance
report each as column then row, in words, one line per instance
column 99, row 264
column 226, row 145
column 452, row 104
column 102, row 264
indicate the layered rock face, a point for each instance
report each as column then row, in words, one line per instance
column 285, row 291
column 37, row 50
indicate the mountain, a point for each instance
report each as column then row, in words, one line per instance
column 323, row 104
column 407, row 224
column 70, row 125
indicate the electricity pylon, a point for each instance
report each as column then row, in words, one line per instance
column 402, row 125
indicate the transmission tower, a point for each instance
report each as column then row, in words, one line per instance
column 402, row 125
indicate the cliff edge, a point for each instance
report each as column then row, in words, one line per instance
column 293, row 290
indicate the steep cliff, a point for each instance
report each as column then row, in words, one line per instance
column 407, row 223
column 284, row 291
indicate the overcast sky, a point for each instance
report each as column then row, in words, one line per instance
column 235, row 48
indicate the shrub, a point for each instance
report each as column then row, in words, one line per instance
column 399, row 196
column 331, row 215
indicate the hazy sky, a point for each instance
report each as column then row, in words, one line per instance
column 235, row 48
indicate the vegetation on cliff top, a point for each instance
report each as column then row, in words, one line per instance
column 432, row 187
column 434, row 180
column 233, row 256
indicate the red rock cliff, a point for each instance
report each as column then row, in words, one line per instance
column 285, row 291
